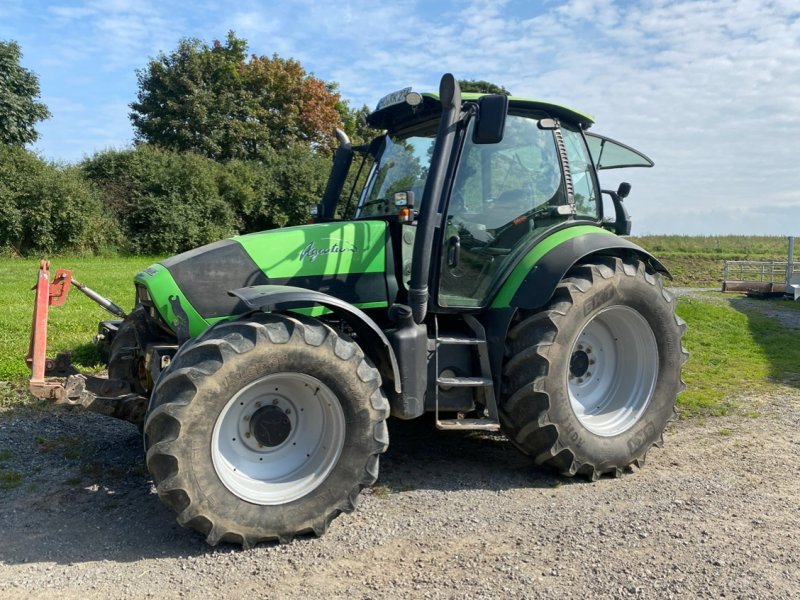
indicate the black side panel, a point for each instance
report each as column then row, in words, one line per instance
column 353, row 288
column 206, row 274
column 537, row 287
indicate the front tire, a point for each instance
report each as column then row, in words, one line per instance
column 265, row 429
column 590, row 381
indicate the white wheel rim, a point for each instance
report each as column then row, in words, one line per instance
column 278, row 438
column 613, row 370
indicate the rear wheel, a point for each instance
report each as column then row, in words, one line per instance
column 265, row 429
column 590, row 381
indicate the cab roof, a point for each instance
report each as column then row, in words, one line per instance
column 400, row 115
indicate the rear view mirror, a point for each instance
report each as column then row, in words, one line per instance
column 491, row 120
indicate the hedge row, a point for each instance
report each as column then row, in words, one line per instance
column 149, row 201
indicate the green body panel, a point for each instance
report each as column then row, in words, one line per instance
column 321, row 249
column 509, row 288
column 310, row 254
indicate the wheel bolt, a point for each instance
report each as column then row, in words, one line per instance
column 247, row 434
column 580, row 380
column 247, row 417
column 274, row 401
column 258, row 404
column 288, row 411
column 591, row 362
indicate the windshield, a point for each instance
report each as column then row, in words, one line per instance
column 402, row 166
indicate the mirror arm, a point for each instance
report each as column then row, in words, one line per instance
column 622, row 223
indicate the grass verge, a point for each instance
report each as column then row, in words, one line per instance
column 730, row 351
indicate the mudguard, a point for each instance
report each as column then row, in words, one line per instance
column 282, row 297
column 538, row 284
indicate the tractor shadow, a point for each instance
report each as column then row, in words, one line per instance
column 81, row 491
column 774, row 325
column 423, row 457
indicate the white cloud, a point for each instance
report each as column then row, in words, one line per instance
column 709, row 88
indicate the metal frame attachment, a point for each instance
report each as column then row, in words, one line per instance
column 55, row 294
column 47, row 295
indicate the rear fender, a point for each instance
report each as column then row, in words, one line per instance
column 370, row 337
column 539, row 284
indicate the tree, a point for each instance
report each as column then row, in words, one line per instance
column 482, row 87
column 19, row 90
column 215, row 101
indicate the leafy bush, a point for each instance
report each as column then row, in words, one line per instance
column 47, row 208
column 148, row 200
column 166, row 201
column 170, row 202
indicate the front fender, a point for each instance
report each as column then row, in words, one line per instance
column 371, row 338
column 538, row 285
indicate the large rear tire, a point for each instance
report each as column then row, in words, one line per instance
column 265, row 429
column 590, row 381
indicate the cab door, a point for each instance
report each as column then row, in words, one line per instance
column 502, row 195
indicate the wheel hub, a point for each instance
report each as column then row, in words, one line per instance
column 278, row 438
column 270, row 426
column 579, row 363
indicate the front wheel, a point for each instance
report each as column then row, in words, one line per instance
column 590, row 381
column 264, row 429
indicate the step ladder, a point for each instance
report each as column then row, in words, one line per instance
column 484, row 382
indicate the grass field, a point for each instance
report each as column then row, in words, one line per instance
column 732, row 350
column 729, row 350
column 697, row 261
column 72, row 325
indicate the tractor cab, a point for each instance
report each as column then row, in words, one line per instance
column 517, row 169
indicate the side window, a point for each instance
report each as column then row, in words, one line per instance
column 583, row 182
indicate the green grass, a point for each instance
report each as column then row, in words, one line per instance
column 10, row 479
column 72, row 326
column 697, row 261
column 67, row 446
column 731, row 351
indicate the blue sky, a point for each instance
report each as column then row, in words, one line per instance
column 710, row 89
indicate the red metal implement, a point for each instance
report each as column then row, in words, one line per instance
column 47, row 294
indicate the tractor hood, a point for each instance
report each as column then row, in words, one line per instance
column 345, row 260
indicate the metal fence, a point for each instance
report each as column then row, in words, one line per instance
column 766, row 275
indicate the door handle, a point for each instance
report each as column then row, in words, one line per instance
column 453, row 251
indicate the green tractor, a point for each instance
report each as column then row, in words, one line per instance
column 458, row 265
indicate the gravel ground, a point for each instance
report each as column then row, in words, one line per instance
column 715, row 513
